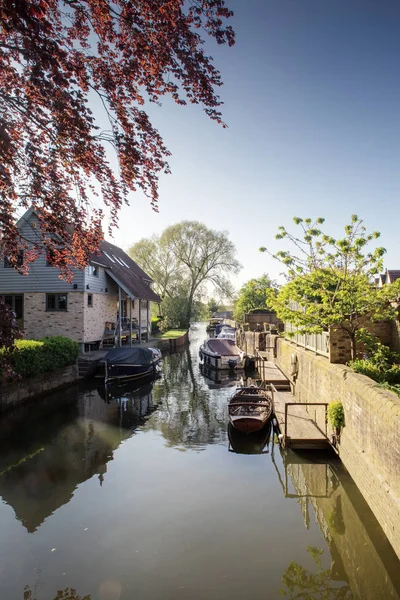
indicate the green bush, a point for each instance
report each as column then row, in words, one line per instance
column 32, row 357
column 336, row 414
column 390, row 374
column 155, row 324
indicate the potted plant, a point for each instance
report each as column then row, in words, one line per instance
column 336, row 420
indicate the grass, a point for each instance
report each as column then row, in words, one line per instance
column 171, row 333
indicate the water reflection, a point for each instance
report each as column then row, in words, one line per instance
column 95, row 474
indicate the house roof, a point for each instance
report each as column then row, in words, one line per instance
column 125, row 272
column 393, row 275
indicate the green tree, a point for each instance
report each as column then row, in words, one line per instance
column 252, row 295
column 212, row 306
column 330, row 281
column 182, row 260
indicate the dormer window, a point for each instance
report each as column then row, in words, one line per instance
column 95, row 271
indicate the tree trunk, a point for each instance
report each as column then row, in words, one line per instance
column 353, row 345
column 189, row 308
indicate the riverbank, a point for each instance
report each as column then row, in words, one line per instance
column 27, row 390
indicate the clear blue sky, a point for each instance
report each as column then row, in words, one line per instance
column 312, row 100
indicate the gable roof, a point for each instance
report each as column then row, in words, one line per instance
column 125, row 272
column 393, row 275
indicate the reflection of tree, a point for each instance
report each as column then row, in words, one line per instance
column 67, row 594
column 187, row 416
column 302, row 584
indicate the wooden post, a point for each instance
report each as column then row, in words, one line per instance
column 130, row 322
column 148, row 321
column 120, row 315
column 140, row 321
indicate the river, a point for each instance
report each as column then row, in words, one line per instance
column 140, row 495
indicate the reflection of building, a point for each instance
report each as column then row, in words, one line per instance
column 359, row 549
column 68, row 451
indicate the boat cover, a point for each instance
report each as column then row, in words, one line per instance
column 130, row 356
column 223, row 347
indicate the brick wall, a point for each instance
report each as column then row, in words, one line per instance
column 39, row 323
column 370, row 441
column 105, row 307
column 340, row 348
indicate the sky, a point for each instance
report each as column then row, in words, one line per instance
column 312, row 101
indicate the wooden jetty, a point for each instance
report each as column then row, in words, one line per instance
column 298, row 429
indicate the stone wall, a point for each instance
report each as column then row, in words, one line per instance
column 38, row 322
column 104, row 308
column 370, row 440
column 22, row 391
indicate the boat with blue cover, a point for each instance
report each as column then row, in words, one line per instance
column 131, row 363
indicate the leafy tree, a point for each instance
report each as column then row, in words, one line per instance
column 182, row 260
column 9, row 332
column 212, row 306
column 330, row 281
column 56, row 56
column 252, row 295
column 302, row 584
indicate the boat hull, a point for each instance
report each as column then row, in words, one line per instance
column 247, row 424
column 232, row 362
column 125, row 372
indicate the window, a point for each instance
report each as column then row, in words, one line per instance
column 20, row 261
column 56, row 302
column 90, row 299
column 95, row 271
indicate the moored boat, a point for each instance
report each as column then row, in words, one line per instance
column 211, row 327
column 131, row 363
column 221, row 354
column 250, row 408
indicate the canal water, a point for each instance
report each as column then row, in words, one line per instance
column 144, row 494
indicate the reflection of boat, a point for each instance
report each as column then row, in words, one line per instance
column 250, row 408
column 126, row 389
column 217, row 379
column 131, row 363
column 221, row 354
column 240, row 443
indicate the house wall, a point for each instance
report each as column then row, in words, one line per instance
column 40, row 278
column 38, row 322
column 135, row 313
column 104, row 309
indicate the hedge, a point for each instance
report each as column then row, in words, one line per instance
column 32, row 357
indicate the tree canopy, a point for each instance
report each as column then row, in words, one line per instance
column 182, row 260
column 60, row 57
column 331, row 281
column 252, row 295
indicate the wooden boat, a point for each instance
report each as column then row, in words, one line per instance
column 221, row 354
column 250, row 408
column 131, row 363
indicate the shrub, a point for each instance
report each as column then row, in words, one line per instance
column 336, row 414
column 32, row 357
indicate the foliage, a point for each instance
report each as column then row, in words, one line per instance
column 300, row 583
column 336, row 414
column 330, row 280
column 55, row 57
column 67, row 594
column 253, row 295
column 155, row 324
column 335, row 518
column 32, row 357
column 212, row 307
column 9, row 333
column 181, row 261
column 378, row 362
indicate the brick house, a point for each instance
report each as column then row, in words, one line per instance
column 106, row 304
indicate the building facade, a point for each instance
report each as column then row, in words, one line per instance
column 107, row 303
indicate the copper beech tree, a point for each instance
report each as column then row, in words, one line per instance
column 56, row 56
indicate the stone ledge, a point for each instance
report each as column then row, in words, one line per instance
column 13, row 394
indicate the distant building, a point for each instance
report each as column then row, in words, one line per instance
column 107, row 303
column 387, row 278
